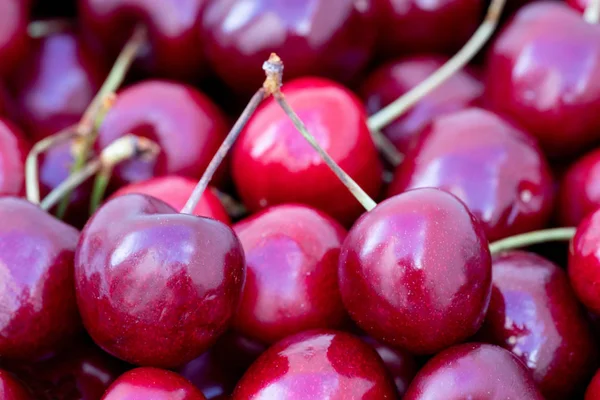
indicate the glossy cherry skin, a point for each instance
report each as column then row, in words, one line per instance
column 175, row 191
column 174, row 48
column 593, row 390
column 318, row 364
column 152, row 383
column 473, row 371
column 534, row 314
column 331, row 38
column 186, row 124
column 415, row 272
column 292, row 254
column 11, row 388
column 157, row 288
column 394, row 79
column 13, row 33
column 273, row 164
column 13, row 152
column 39, row 314
column 54, row 84
column 496, row 169
column 541, row 72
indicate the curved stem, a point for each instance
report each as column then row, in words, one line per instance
column 591, row 15
column 387, row 148
column 388, row 114
column 531, row 238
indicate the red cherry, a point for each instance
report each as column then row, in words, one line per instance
column 175, row 190
column 13, row 152
column 593, row 389
column 584, row 262
column 332, row 38
column 534, row 314
column 272, row 164
column 11, row 389
column 473, row 371
column 394, row 79
column 541, row 72
column 491, row 165
column 415, row 272
column 154, row 287
column 13, row 33
column 152, row 383
column 39, row 314
column 579, row 5
column 321, row 364
column 186, row 124
column 291, row 286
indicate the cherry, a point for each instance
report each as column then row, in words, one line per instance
column 473, row 371
column 39, row 314
column 579, row 5
column 593, row 389
column 186, row 124
column 331, row 38
column 13, row 33
column 272, row 164
column 175, row 190
column 291, row 285
column 541, row 72
column 11, row 389
column 13, row 152
column 584, row 262
column 415, row 271
column 534, row 314
column 511, row 194
column 157, row 288
column 318, row 364
column 152, row 383
column 174, row 48
column 394, row 79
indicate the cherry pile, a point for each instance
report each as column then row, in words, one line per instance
column 299, row 200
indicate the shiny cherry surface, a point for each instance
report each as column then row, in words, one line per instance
column 39, row 313
column 273, row 164
column 542, row 72
column 13, row 152
column 11, row 388
column 320, row 364
column 292, row 254
column 473, row 371
column 584, row 262
column 156, row 288
column 593, row 390
column 415, row 272
column 13, row 33
column 496, row 169
column 534, row 314
column 394, row 79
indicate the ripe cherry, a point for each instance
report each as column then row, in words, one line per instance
column 13, row 152
column 13, row 33
column 511, row 194
column 593, row 390
column 584, row 262
column 319, row 364
column 11, row 388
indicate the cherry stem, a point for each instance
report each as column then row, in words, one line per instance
column 591, row 15
column 531, row 238
column 395, row 109
column 42, row 28
column 234, row 208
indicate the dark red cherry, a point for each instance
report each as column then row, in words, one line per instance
column 473, row 371
column 541, row 72
column 186, row 124
column 11, row 388
column 273, row 164
column 54, row 84
column 394, row 79
column 38, row 314
column 13, row 152
column 14, row 40
column 292, row 254
column 534, row 314
column 174, row 48
column 331, row 38
column 584, row 262
column 320, row 364
column 496, row 169
column 593, row 390
column 152, row 384
column 415, row 272
column 206, row 373
column 154, row 287
column 175, row 190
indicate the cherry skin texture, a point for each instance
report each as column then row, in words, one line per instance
column 331, row 38
column 511, row 194
column 13, row 153
column 13, row 33
column 11, row 389
column 174, row 49
column 37, row 288
column 394, row 79
column 273, row 164
column 542, row 72
column 188, row 127
column 54, row 84
column 593, row 389
column 415, row 272
column 152, row 383
column 534, row 314
column 175, row 190
column 292, row 254
column 154, row 287
column 318, row 364
column 473, row 371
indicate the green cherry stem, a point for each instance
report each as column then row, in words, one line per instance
column 531, row 238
